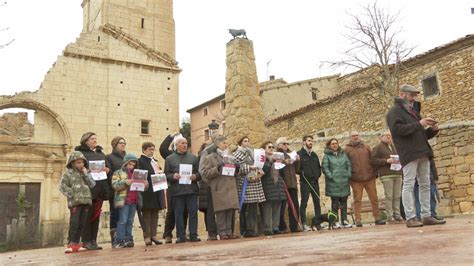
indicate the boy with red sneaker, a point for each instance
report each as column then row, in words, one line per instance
column 76, row 183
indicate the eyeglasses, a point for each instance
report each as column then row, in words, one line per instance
column 121, row 142
column 286, row 143
column 270, row 147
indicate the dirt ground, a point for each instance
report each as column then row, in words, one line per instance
column 450, row 244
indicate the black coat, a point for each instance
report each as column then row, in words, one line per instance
column 309, row 166
column 151, row 200
column 409, row 136
column 164, row 147
column 172, row 163
column 102, row 189
column 272, row 190
column 115, row 161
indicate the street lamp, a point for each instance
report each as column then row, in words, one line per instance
column 213, row 127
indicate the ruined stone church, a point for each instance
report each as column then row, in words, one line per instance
column 119, row 77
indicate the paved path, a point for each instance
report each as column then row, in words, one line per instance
column 452, row 243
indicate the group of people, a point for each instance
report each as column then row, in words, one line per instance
column 220, row 182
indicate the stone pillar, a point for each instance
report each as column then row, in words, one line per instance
column 244, row 113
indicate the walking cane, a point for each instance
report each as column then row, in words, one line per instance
column 293, row 209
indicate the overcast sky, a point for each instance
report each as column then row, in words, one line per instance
column 295, row 35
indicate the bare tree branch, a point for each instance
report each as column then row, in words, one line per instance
column 5, row 29
column 374, row 37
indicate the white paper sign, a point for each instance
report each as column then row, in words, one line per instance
column 159, row 182
column 279, row 165
column 185, row 171
column 139, row 179
column 228, row 170
column 259, row 158
column 278, row 157
column 98, row 170
column 396, row 166
column 137, row 186
column 293, row 155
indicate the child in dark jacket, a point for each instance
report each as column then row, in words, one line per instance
column 125, row 201
column 76, row 183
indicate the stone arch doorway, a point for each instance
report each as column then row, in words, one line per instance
column 31, row 168
column 37, row 106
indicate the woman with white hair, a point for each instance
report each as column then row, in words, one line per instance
column 221, row 179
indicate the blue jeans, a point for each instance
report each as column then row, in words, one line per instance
column 125, row 223
column 417, row 170
column 433, row 191
column 180, row 204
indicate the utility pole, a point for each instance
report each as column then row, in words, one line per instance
column 268, row 63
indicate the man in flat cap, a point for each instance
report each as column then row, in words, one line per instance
column 410, row 135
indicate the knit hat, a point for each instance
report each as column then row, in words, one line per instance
column 115, row 141
column 281, row 140
column 219, row 139
column 86, row 136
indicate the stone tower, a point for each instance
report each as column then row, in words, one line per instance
column 119, row 78
column 151, row 22
column 244, row 113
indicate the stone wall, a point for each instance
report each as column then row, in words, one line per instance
column 353, row 109
column 454, row 72
column 454, row 154
column 357, row 108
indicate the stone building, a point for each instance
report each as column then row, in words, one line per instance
column 296, row 94
column 119, row 77
column 201, row 116
column 344, row 103
column 445, row 77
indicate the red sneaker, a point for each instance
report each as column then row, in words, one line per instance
column 70, row 248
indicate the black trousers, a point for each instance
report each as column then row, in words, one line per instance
column 211, row 225
column 91, row 229
column 305, row 192
column 77, row 222
column 114, row 214
column 249, row 216
column 170, row 221
column 293, row 220
column 340, row 202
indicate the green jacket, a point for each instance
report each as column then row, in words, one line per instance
column 119, row 183
column 75, row 185
column 337, row 170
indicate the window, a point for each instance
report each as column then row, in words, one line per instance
column 206, row 134
column 143, row 23
column 204, row 111
column 314, row 94
column 291, row 122
column 145, row 127
column 321, row 134
column 430, row 86
column 222, row 104
column 222, row 128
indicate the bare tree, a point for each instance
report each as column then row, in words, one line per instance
column 376, row 50
column 3, row 45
